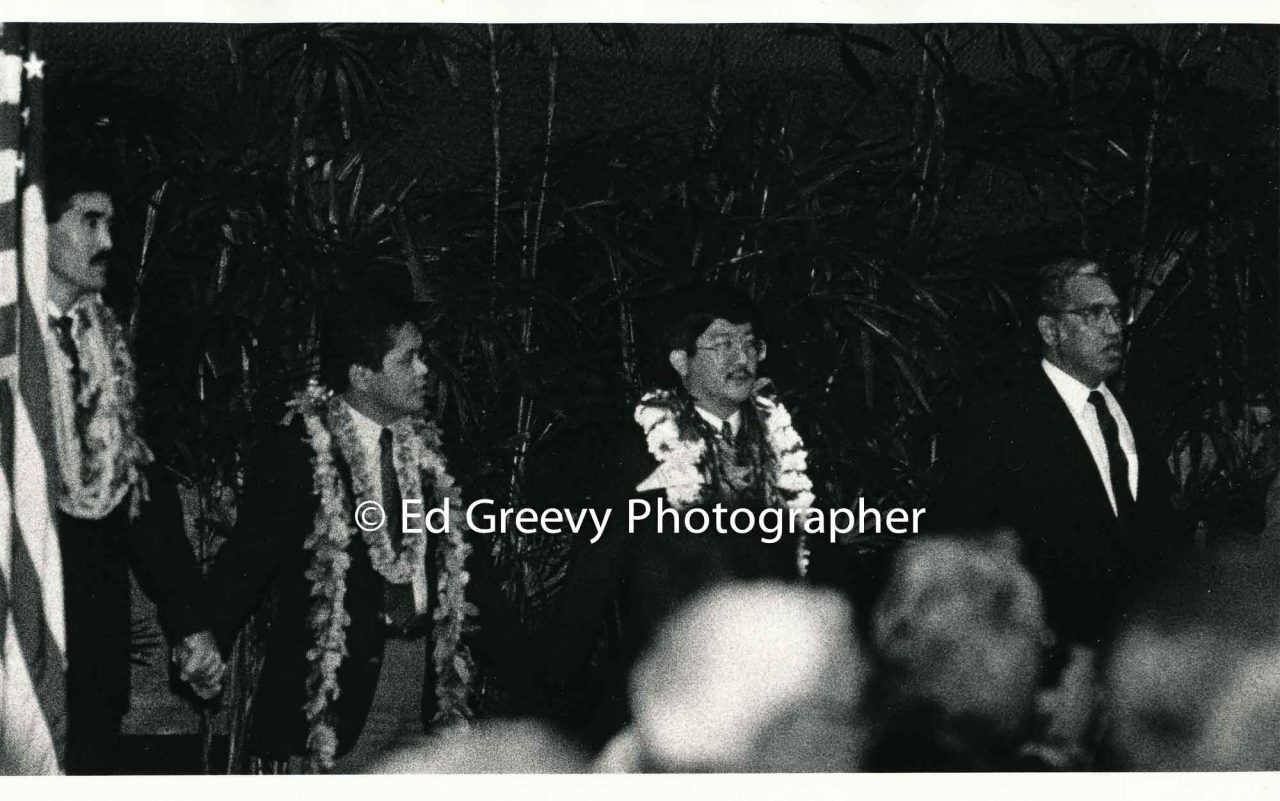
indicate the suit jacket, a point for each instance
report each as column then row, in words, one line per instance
column 627, row 582
column 96, row 557
column 1016, row 458
column 268, row 548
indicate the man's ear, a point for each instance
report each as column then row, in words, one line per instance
column 679, row 360
column 1048, row 329
column 358, row 376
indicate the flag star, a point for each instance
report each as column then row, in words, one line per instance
column 34, row 67
column 21, row 165
column 26, row 115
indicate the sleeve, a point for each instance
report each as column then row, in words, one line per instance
column 501, row 640
column 1168, row 534
column 161, row 557
column 832, row 564
column 970, row 472
column 275, row 515
column 595, row 573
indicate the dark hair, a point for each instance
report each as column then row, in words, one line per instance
column 694, row 309
column 1230, row 590
column 960, row 637
column 1052, row 278
column 70, row 174
column 1219, row 611
column 359, row 328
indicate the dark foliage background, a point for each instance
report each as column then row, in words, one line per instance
column 884, row 192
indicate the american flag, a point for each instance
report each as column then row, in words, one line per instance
column 32, row 629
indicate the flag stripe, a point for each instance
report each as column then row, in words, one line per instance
column 33, row 374
column 10, row 117
column 8, row 208
column 26, row 743
column 40, row 650
column 33, row 640
column 27, row 746
column 8, row 337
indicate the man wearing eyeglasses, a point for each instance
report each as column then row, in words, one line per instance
column 715, row 438
column 1056, row 456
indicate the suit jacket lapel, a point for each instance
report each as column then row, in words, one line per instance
column 1076, row 457
column 1150, row 459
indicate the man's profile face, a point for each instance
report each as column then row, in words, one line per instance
column 399, row 387
column 721, row 373
column 80, row 243
column 1089, row 350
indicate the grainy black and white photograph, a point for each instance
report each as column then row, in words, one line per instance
column 566, row 398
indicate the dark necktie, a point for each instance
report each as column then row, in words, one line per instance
column 83, row 407
column 735, row 467
column 1118, row 464
column 62, row 325
column 399, row 597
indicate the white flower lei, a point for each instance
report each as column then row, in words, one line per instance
column 416, row 450
column 100, row 461
column 681, row 456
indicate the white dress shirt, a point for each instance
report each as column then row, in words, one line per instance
column 1076, row 396
column 56, row 314
column 369, row 436
column 718, row 422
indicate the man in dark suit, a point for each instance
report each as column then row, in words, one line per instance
column 1054, row 455
column 627, row 581
column 366, row 642
column 115, row 511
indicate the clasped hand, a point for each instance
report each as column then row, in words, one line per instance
column 200, row 664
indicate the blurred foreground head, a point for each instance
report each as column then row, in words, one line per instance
column 500, row 746
column 959, row 636
column 1194, row 679
column 753, row 676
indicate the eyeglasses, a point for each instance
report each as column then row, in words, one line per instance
column 754, row 348
column 1094, row 315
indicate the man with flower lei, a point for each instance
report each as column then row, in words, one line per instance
column 717, row 438
column 366, row 645
column 114, row 512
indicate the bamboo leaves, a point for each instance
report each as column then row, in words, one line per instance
column 884, row 206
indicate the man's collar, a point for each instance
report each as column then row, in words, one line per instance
column 56, row 313
column 366, row 428
column 1074, row 393
column 718, row 422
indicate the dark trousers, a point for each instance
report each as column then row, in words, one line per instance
column 96, row 594
column 93, row 736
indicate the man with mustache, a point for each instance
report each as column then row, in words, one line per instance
column 115, row 511
column 1056, row 456
column 715, row 438
column 366, row 643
